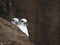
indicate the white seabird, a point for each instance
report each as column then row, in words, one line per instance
column 23, row 26
column 15, row 21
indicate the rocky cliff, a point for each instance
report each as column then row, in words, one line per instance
column 11, row 34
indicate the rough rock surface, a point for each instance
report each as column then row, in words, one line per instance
column 11, row 34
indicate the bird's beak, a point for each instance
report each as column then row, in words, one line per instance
column 16, row 23
column 26, row 23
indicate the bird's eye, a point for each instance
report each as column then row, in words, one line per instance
column 13, row 20
column 21, row 21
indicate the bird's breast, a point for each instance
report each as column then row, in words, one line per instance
column 24, row 29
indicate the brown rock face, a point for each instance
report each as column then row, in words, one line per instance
column 11, row 35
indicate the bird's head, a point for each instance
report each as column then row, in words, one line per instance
column 23, row 21
column 15, row 21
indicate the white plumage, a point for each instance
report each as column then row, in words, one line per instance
column 22, row 24
column 15, row 21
